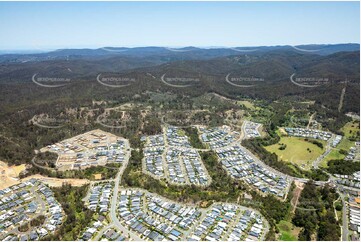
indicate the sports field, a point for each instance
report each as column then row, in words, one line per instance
column 297, row 151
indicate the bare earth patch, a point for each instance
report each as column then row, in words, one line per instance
column 57, row 182
column 98, row 176
column 9, row 174
column 296, row 194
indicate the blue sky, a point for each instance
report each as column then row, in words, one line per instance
column 49, row 25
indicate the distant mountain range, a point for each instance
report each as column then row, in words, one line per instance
column 270, row 63
column 338, row 64
column 172, row 54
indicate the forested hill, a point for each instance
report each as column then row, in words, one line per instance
column 271, row 66
column 329, row 82
column 255, row 74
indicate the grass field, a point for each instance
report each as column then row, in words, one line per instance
column 350, row 130
column 260, row 115
column 181, row 132
column 288, row 233
column 247, row 104
column 334, row 155
column 345, row 144
column 297, row 151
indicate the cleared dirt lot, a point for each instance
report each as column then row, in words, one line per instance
column 9, row 174
column 57, row 182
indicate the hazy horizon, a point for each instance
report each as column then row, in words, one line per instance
column 34, row 51
column 64, row 25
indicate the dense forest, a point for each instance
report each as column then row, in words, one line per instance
column 77, row 215
column 343, row 167
column 315, row 214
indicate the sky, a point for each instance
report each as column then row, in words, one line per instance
column 53, row 25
